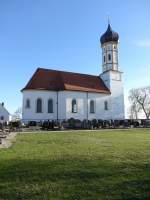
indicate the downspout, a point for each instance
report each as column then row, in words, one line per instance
column 87, row 106
column 57, row 106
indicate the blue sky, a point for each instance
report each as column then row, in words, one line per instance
column 64, row 35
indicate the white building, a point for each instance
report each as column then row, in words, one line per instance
column 59, row 95
column 4, row 114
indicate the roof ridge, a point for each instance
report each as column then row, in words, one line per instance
column 40, row 68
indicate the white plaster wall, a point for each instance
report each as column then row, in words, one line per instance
column 113, row 81
column 65, row 105
column 30, row 113
column 83, row 110
column 61, row 105
column 81, row 104
column 117, row 101
column 4, row 113
column 100, row 112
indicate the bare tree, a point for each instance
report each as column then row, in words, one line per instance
column 17, row 114
column 140, row 101
column 133, row 111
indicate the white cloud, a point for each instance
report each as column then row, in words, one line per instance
column 144, row 43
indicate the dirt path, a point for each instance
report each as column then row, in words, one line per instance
column 7, row 142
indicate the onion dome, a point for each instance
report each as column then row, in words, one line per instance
column 109, row 36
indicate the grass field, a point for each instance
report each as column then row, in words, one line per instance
column 91, row 165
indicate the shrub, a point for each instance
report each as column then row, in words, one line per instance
column 48, row 125
column 32, row 123
column 94, row 123
column 15, row 124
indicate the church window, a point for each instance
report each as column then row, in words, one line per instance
column 106, row 105
column 50, row 106
column 2, row 117
column 92, row 106
column 104, row 59
column 28, row 103
column 74, row 106
column 109, row 57
column 108, row 47
column 39, row 106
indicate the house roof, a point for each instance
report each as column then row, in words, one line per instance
column 2, row 107
column 47, row 79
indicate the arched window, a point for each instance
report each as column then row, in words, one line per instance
column 28, row 103
column 109, row 57
column 50, row 106
column 39, row 106
column 106, row 105
column 74, row 106
column 92, row 107
column 104, row 59
column 2, row 117
column 108, row 47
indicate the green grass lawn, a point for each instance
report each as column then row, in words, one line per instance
column 77, row 165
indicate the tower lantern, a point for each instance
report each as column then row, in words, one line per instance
column 109, row 44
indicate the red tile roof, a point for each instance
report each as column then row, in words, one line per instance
column 47, row 79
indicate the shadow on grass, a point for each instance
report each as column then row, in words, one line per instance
column 73, row 179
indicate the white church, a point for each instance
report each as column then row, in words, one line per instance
column 60, row 95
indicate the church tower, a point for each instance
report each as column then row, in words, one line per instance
column 109, row 44
column 111, row 75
